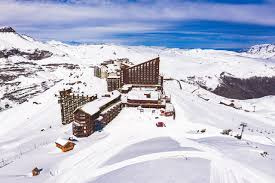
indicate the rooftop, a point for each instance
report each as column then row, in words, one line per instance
column 113, row 77
column 95, row 105
column 144, row 94
column 61, row 141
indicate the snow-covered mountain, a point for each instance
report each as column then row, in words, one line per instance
column 30, row 67
column 131, row 148
column 263, row 50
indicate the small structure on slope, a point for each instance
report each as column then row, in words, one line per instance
column 36, row 171
column 231, row 103
column 64, row 144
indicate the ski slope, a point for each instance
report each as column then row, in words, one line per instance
column 132, row 149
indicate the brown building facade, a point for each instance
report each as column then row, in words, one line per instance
column 69, row 102
column 98, row 112
column 113, row 83
column 146, row 73
column 83, row 125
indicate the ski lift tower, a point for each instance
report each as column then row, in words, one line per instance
column 243, row 125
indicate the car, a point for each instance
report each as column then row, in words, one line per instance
column 160, row 124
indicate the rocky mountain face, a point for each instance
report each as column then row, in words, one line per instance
column 29, row 67
column 248, row 88
column 25, row 73
column 34, row 55
column 7, row 29
column 263, row 50
column 238, row 88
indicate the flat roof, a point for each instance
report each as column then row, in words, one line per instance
column 95, row 105
column 113, row 77
column 142, row 93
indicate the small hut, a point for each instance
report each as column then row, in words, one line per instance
column 36, row 171
column 64, row 144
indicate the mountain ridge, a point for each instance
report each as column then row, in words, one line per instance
column 24, row 59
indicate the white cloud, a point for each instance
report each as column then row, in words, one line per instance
column 162, row 10
column 104, row 18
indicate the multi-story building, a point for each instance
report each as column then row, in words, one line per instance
column 113, row 82
column 146, row 73
column 101, row 71
column 100, row 111
column 69, row 102
column 111, row 67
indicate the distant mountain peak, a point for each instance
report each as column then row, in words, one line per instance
column 7, row 29
column 263, row 50
column 269, row 48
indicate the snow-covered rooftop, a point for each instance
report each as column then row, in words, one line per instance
column 112, row 68
column 61, row 141
column 113, row 77
column 143, row 94
column 126, row 87
column 227, row 102
column 94, row 106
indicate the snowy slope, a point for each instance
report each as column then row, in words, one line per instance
column 263, row 51
column 131, row 148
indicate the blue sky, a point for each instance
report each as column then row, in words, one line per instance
column 219, row 24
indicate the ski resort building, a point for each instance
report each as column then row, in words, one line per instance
column 69, row 102
column 94, row 115
column 146, row 97
column 122, row 72
column 113, row 82
column 101, row 71
column 111, row 67
column 139, row 86
column 144, row 74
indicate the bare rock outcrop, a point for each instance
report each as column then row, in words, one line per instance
column 248, row 88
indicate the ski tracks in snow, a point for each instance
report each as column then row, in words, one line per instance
column 229, row 171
